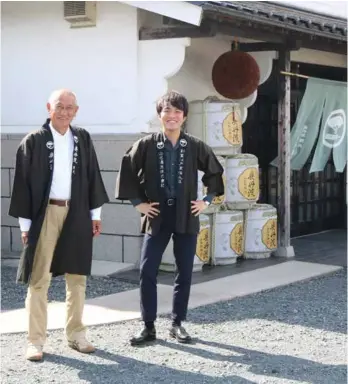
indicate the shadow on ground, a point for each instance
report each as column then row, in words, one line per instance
column 129, row 371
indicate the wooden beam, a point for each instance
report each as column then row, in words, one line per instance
column 248, row 32
column 174, row 32
column 284, row 156
column 325, row 45
column 261, row 47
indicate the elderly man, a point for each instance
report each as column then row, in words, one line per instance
column 57, row 196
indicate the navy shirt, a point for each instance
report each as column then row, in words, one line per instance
column 171, row 172
column 171, row 168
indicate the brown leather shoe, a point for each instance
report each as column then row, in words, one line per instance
column 34, row 352
column 81, row 345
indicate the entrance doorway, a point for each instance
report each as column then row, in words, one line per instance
column 318, row 200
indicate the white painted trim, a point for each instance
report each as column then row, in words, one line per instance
column 179, row 10
column 158, row 60
column 311, row 56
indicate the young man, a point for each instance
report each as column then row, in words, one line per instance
column 57, row 195
column 158, row 175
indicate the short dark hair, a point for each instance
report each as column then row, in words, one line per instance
column 175, row 99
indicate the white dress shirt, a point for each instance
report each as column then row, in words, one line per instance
column 61, row 180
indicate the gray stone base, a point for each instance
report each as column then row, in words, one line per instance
column 172, row 267
column 285, row 251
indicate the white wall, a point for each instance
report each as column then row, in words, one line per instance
column 117, row 79
column 41, row 53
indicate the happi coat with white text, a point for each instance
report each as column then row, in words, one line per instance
column 30, row 196
column 142, row 176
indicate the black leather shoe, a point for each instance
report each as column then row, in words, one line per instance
column 180, row 334
column 144, row 336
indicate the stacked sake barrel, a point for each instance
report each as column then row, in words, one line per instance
column 203, row 249
column 234, row 225
column 239, row 226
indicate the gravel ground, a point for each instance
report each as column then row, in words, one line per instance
column 13, row 295
column 293, row 334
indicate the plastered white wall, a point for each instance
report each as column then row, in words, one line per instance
column 40, row 53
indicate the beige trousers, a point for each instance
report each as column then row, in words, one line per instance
column 36, row 301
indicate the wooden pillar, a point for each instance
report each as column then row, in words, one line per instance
column 284, row 191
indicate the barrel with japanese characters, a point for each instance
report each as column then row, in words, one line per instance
column 203, row 248
column 227, row 237
column 242, row 181
column 202, row 190
column 260, row 227
column 218, row 123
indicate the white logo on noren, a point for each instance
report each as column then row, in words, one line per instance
column 334, row 129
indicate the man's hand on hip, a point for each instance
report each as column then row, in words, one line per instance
column 96, row 224
column 24, row 237
column 148, row 209
column 198, row 207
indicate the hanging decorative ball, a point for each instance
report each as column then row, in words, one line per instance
column 235, row 75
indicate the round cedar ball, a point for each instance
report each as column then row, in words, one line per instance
column 235, row 75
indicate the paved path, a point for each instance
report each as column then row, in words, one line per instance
column 271, row 332
column 288, row 335
column 125, row 305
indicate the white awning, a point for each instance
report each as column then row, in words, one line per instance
column 179, row 10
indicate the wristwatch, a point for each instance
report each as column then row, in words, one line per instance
column 207, row 203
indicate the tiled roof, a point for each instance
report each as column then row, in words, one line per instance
column 278, row 15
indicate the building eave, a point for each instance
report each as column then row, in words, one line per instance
column 183, row 11
column 277, row 15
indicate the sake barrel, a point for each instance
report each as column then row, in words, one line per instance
column 218, row 123
column 260, row 231
column 202, row 190
column 242, row 181
column 227, row 237
column 203, row 249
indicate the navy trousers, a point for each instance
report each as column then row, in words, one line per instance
column 151, row 256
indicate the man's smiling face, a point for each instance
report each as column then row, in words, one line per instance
column 171, row 117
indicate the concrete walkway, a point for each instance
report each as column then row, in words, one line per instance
column 99, row 267
column 125, row 305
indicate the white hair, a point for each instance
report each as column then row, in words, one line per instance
column 55, row 95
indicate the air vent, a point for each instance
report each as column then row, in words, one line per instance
column 80, row 13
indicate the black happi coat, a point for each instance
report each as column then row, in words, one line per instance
column 141, row 176
column 31, row 188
